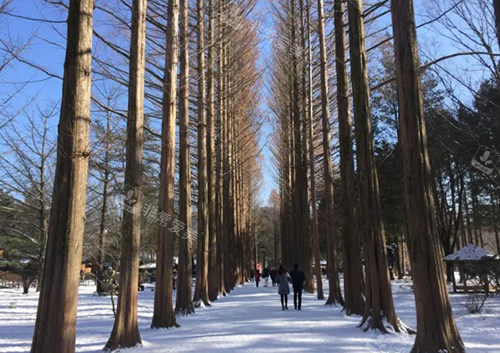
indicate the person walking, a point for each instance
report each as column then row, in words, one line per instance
column 265, row 275
column 298, row 279
column 257, row 278
column 274, row 274
column 283, row 287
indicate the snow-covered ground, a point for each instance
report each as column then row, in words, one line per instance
column 249, row 319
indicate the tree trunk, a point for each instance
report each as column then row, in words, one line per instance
column 467, row 218
column 496, row 5
column 55, row 325
column 183, row 300
column 495, row 221
column 163, row 315
column 43, row 207
column 314, row 205
column 212, row 216
column 353, row 272
column 335, row 296
column 125, row 330
column 219, row 160
column 306, row 239
column 379, row 304
column 104, row 207
column 201, row 290
column 436, row 329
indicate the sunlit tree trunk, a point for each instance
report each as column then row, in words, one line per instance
column 436, row 328
column 201, row 290
column 219, row 171
column 353, row 272
column 379, row 305
column 335, row 296
column 125, row 330
column 163, row 315
column 183, row 300
column 312, row 164
column 55, row 326
column 213, row 274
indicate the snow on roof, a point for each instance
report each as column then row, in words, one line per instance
column 470, row 252
column 148, row 266
column 152, row 265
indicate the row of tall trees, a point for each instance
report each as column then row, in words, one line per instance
column 197, row 59
column 367, row 288
column 210, row 80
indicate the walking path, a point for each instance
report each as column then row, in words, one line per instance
column 249, row 319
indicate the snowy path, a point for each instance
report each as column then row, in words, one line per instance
column 248, row 320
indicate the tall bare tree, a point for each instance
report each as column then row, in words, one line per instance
column 26, row 174
column 125, row 330
column 163, row 307
column 219, row 187
column 335, row 296
column 312, row 160
column 201, row 289
column 353, row 272
column 379, row 305
column 183, row 300
column 436, row 328
column 55, row 326
column 213, row 277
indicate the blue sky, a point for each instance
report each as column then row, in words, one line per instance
column 46, row 50
column 51, row 57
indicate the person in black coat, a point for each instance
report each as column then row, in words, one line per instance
column 274, row 274
column 298, row 279
column 391, row 258
column 265, row 275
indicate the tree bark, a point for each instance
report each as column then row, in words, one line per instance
column 183, row 300
column 436, row 328
column 125, row 330
column 213, row 275
column 55, row 325
column 495, row 221
column 104, row 207
column 163, row 315
column 335, row 296
column 496, row 5
column 379, row 303
column 201, row 290
column 353, row 272
column 43, row 217
column 219, row 160
column 467, row 218
column 314, row 205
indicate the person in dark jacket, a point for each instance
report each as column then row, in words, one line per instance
column 298, row 279
column 391, row 258
column 257, row 278
column 265, row 275
column 274, row 274
column 283, row 287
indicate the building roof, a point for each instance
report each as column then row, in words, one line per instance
column 470, row 252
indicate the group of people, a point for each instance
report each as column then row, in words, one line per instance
column 297, row 277
column 282, row 278
column 266, row 273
